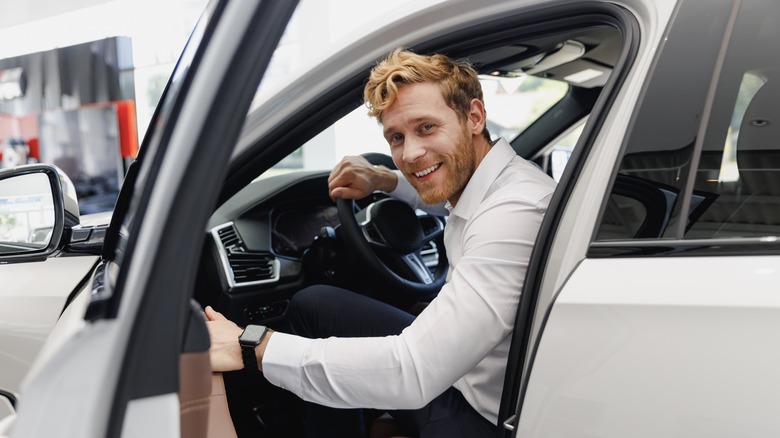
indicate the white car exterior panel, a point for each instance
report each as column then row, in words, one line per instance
column 70, row 323
column 575, row 232
column 32, row 297
column 67, row 382
column 650, row 347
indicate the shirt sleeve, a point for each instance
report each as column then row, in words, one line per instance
column 472, row 314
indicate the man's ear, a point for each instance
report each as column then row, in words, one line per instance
column 476, row 117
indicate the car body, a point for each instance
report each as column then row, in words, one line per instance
column 34, row 295
column 649, row 307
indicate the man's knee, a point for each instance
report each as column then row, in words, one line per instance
column 314, row 297
column 302, row 298
column 309, row 306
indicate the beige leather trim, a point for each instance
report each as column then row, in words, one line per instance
column 220, row 422
column 194, row 393
column 202, row 399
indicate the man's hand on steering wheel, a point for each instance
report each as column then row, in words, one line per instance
column 355, row 178
column 388, row 226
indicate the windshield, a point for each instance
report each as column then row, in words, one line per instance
column 319, row 28
column 512, row 103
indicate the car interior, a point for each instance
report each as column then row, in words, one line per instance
column 733, row 164
column 272, row 236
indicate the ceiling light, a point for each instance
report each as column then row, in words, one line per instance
column 583, row 76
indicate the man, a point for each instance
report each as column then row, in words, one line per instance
column 441, row 372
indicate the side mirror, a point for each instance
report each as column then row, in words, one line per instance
column 37, row 206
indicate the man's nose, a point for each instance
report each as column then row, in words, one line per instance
column 414, row 149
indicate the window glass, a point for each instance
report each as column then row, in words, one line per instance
column 319, row 28
column 703, row 161
column 557, row 157
column 512, row 104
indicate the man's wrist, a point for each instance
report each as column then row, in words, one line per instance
column 385, row 179
column 260, row 349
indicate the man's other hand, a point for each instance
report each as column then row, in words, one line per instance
column 354, row 178
column 225, row 351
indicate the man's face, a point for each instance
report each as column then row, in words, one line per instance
column 429, row 143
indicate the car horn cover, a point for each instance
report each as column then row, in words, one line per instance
column 398, row 225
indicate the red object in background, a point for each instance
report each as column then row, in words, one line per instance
column 128, row 129
column 26, row 128
column 35, row 151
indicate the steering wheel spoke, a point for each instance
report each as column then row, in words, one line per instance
column 370, row 231
column 393, row 229
column 432, row 226
column 417, row 267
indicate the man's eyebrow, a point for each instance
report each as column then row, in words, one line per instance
column 414, row 120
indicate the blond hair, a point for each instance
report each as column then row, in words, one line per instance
column 457, row 80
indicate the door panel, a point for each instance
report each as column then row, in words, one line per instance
column 660, row 347
column 30, row 304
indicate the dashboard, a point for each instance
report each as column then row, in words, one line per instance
column 261, row 234
column 294, row 227
column 275, row 237
column 257, row 240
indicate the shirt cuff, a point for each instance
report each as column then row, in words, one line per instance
column 282, row 360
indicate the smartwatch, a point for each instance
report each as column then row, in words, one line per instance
column 249, row 339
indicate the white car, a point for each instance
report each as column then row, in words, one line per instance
column 650, row 305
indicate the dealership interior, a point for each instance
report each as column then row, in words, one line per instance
column 80, row 79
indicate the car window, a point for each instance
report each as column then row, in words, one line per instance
column 316, row 29
column 555, row 157
column 512, row 104
column 703, row 160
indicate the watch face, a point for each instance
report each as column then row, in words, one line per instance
column 252, row 334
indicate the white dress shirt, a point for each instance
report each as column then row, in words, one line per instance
column 462, row 338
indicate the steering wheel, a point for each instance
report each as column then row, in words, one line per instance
column 392, row 228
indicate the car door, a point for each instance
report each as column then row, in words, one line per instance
column 672, row 333
column 118, row 374
column 36, row 289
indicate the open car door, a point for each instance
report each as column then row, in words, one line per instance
column 137, row 364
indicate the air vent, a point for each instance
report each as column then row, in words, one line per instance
column 430, row 256
column 241, row 266
column 431, row 224
column 250, row 267
column 230, row 240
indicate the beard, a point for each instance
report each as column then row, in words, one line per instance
column 458, row 167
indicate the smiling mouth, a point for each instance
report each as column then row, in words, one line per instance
column 424, row 172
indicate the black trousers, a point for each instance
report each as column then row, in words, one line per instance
column 324, row 311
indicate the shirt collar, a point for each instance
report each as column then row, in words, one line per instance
column 500, row 154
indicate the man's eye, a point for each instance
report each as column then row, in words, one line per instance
column 427, row 127
column 396, row 138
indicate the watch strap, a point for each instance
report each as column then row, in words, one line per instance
column 250, row 358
